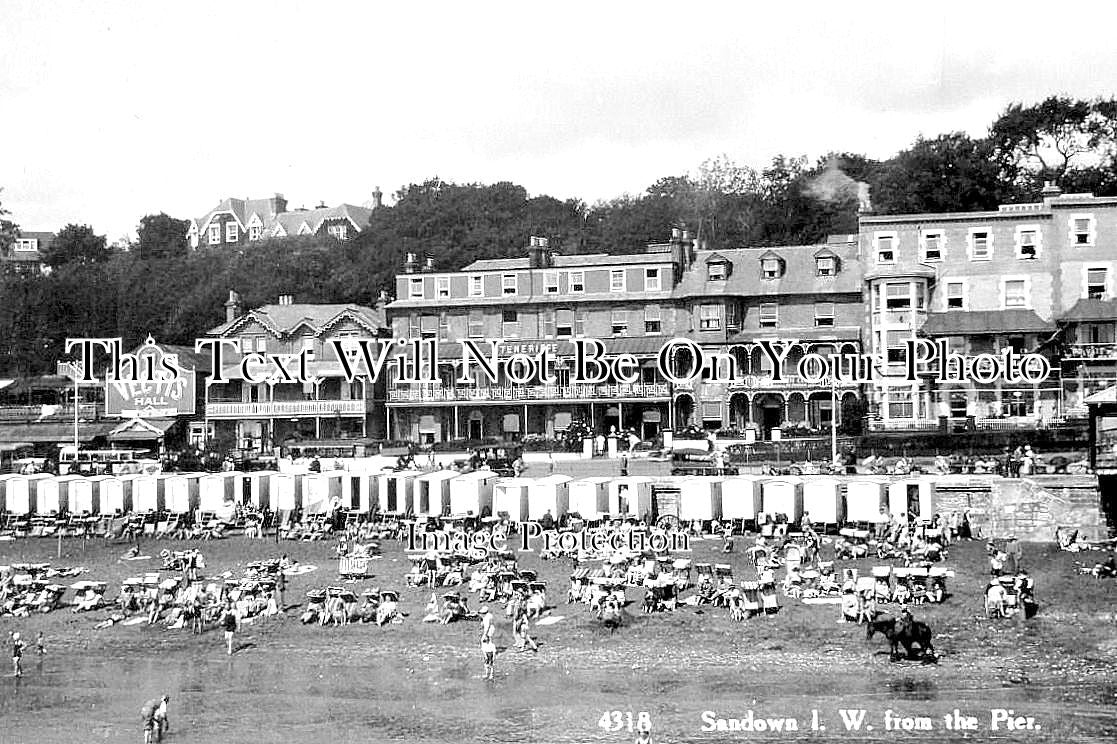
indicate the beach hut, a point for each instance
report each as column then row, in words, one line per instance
column 784, row 496
column 912, row 495
column 54, row 494
column 181, row 492
column 700, row 498
column 549, row 494
column 22, row 493
column 630, row 496
column 866, row 500
column 286, row 491
column 589, row 497
column 322, row 491
column 217, row 491
column 822, row 500
column 397, row 491
column 4, row 490
column 510, row 496
column 741, row 497
column 256, row 489
column 85, row 494
column 117, row 494
column 357, row 490
column 149, row 492
column 472, row 493
column 432, row 493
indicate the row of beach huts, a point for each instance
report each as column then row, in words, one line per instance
column 829, row 500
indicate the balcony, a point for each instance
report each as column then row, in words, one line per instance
column 282, row 408
column 29, row 414
column 527, row 393
column 1102, row 352
column 753, row 383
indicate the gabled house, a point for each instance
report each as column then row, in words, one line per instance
column 244, row 221
column 25, row 255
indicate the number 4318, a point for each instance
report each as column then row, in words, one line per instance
column 624, row 720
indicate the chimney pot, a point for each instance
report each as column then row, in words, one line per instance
column 232, row 307
column 676, row 233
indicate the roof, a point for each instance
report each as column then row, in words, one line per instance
column 61, row 433
column 522, row 301
column 292, row 222
column 833, row 333
column 141, row 430
column 571, row 262
column 1109, row 395
column 900, row 269
column 1088, row 308
column 978, row 322
column 285, row 319
column 800, row 275
column 270, row 220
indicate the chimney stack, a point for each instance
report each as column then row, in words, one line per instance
column 1050, row 191
column 538, row 256
column 410, row 265
column 286, row 299
column 232, row 307
column 428, row 264
column 377, row 198
column 278, row 204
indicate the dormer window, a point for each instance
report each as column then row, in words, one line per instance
column 254, row 232
column 771, row 268
column 232, row 232
column 826, row 266
column 717, row 268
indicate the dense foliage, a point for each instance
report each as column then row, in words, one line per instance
column 159, row 287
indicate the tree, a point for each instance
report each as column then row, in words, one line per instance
column 950, row 173
column 1053, row 138
column 161, row 236
column 9, row 231
column 76, row 244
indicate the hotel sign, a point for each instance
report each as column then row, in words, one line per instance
column 150, row 384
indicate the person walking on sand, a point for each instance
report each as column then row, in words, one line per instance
column 17, row 655
column 40, row 644
column 230, row 625
column 488, row 647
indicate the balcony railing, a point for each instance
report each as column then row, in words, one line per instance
column 1106, row 352
column 86, row 411
column 765, row 382
column 286, row 408
column 439, row 393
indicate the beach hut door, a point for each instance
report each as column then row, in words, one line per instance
column 392, row 483
column 913, row 499
column 246, row 491
column 622, row 498
column 665, row 501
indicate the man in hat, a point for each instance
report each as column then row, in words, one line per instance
column 488, row 647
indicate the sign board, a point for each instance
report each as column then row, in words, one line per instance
column 157, row 386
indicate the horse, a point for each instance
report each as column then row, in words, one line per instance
column 917, row 633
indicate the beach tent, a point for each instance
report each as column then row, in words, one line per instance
column 912, row 495
column 397, row 491
column 54, row 494
column 589, row 497
column 85, row 494
column 22, row 493
column 117, row 494
column 866, row 500
column 286, row 491
column 357, row 489
column 322, row 491
column 432, row 493
column 741, row 497
column 700, row 498
column 549, row 494
column 630, row 496
column 472, row 493
column 510, row 496
column 149, row 492
column 216, row 491
column 784, row 495
column 181, row 492
column 256, row 489
column 822, row 499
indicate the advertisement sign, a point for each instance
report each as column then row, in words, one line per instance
column 151, row 384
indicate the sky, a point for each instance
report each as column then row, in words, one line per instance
column 110, row 111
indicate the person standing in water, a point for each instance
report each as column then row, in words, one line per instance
column 488, row 647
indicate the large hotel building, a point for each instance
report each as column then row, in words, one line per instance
column 634, row 304
column 1034, row 278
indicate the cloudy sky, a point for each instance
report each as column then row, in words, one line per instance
column 110, row 111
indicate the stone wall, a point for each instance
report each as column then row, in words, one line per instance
column 1029, row 508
